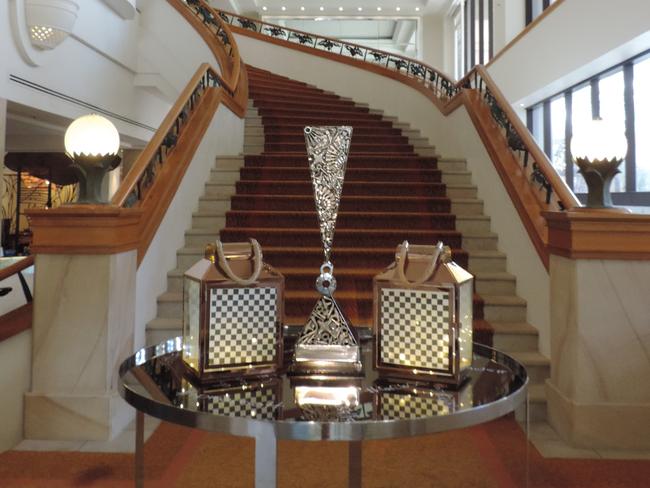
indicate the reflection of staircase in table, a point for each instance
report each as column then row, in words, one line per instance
column 395, row 188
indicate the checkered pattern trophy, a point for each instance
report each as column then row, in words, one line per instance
column 327, row 344
column 232, row 326
column 423, row 316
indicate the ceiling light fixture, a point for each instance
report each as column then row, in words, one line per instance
column 265, row 8
column 378, row 9
column 340, row 9
column 302, row 9
column 359, row 9
column 321, row 8
column 283, row 8
column 398, row 8
column 417, row 9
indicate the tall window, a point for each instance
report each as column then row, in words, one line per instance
column 620, row 95
column 473, row 34
column 534, row 8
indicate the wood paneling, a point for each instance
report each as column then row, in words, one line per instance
column 599, row 234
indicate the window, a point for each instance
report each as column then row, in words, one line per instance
column 473, row 35
column 534, row 8
column 620, row 95
column 642, row 123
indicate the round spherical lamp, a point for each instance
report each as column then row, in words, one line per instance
column 93, row 143
column 598, row 148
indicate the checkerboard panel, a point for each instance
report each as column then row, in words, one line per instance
column 243, row 326
column 415, row 327
column 259, row 403
column 400, row 406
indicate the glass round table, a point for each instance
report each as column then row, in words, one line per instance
column 155, row 382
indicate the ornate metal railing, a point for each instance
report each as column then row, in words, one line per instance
column 441, row 85
column 555, row 194
column 141, row 177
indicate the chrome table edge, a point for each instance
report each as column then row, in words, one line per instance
column 317, row 431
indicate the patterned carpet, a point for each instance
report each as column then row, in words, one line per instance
column 490, row 456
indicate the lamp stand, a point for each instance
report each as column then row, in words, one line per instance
column 91, row 171
column 598, row 175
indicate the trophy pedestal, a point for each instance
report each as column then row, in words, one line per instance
column 327, row 359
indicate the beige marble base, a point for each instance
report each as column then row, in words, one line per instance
column 598, row 426
column 75, row 417
column 83, row 328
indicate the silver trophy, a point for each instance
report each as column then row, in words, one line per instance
column 327, row 344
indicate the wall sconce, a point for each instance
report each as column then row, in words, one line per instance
column 50, row 21
column 92, row 142
column 598, row 148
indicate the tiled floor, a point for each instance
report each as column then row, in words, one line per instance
column 124, row 442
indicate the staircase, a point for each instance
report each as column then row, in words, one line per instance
column 395, row 188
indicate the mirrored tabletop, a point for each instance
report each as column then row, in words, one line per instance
column 155, row 381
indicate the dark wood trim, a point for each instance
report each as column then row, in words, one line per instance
column 548, row 137
column 595, row 98
column 16, row 267
column 630, row 133
column 491, row 28
column 481, row 31
column 17, row 321
column 568, row 134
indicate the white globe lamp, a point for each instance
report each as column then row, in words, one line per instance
column 93, row 144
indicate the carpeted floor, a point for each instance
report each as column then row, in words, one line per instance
column 390, row 194
column 494, row 455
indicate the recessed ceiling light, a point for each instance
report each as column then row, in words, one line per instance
column 378, row 9
column 264, row 8
column 302, row 9
column 359, row 9
column 417, row 9
column 398, row 8
column 340, row 9
column 283, row 8
column 321, row 8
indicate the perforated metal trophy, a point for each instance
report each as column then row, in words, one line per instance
column 327, row 343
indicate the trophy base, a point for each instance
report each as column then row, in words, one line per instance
column 332, row 359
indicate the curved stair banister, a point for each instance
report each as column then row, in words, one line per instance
column 517, row 158
column 219, row 38
column 19, row 319
column 152, row 181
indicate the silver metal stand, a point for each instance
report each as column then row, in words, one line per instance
column 266, row 458
column 354, row 464
column 139, row 449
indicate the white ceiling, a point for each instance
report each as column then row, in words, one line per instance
column 348, row 28
column 350, row 7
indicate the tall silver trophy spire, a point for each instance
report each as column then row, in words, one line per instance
column 327, row 343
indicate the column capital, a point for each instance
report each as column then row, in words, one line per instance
column 598, row 234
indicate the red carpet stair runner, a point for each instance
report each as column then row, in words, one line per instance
column 390, row 194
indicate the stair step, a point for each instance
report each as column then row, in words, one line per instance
column 483, row 241
column 461, row 191
column 219, row 190
column 209, row 221
column 504, row 308
column 457, row 177
column 473, row 223
column 514, row 336
column 170, row 305
column 537, row 366
column 467, row 206
column 218, row 205
column 486, row 260
column 223, row 177
column 494, row 283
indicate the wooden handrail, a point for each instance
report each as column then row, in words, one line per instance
column 142, row 162
column 16, row 267
column 561, row 189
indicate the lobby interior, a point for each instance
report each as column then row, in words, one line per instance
column 490, row 93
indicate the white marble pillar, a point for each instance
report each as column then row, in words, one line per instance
column 599, row 391
column 83, row 328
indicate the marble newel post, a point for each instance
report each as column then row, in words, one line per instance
column 83, row 325
column 599, row 390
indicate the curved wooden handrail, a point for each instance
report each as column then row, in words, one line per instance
column 489, row 110
column 16, row 267
column 137, row 171
column 217, row 35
